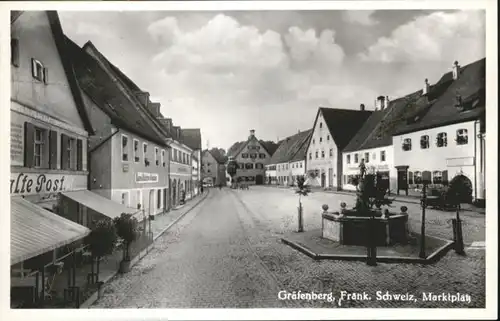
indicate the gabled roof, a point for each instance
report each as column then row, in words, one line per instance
column 269, row 146
column 442, row 109
column 65, row 55
column 378, row 129
column 219, row 158
column 101, row 88
column 302, row 152
column 191, row 137
column 342, row 124
column 235, row 148
column 289, row 147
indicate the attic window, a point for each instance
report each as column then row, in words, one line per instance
column 406, row 144
column 38, row 71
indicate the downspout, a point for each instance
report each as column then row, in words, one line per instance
column 475, row 159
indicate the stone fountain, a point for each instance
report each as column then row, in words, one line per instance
column 355, row 226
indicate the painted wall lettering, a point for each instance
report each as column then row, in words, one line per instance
column 34, row 183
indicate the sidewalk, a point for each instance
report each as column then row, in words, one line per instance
column 398, row 198
column 160, row 224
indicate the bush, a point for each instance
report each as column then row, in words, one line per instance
column 127, row 229
column 102, row 238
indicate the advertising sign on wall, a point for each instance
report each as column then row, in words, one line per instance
column 146, row 177
column 40, row 183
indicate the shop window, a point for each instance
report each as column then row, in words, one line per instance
column 136, row 151
column 382, row 155
column 406, row 144
column 437, row 177
column 442, row 140
column 417, row 177
column 462, row 137
column 424, row 142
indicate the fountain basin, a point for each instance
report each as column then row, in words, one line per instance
column 355, row 230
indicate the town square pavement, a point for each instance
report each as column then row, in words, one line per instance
column 226, row 252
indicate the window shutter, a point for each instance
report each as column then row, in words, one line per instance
column 53, row 149
column 33, row 68
column 79, row 155
column 14, row 51
column 45, row 75
column 445, row 177
column 29, row 144
column 64, row 148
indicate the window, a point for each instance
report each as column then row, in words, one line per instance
column 356, row 158
column 158, row 199
column 241, row 166
column 157, row 160
column 328, row 137
column 163, row 158
column 322, row 154
column 145, row 153
column 382, row 155
column 367, row 157
column 249, row 166
column 67, row 152
column 259, row 166
column 348, row 159
column 374, row 156
column 314, row 141
column 38, row 71
column 310, row 156
column 39, row 147
column 262, row 155
column 125, row 198
column 316, row 154
column 437, row 177
column 287, row 166
column 14, row 52
column 442, row 140
column 424, row 142
column 321, row 139
column 331, row 152
column 406, row 144
column 417, row 177
column 410, row 178
column 253, row 155
column 244, row 155
column 124, row 148
column 300, row 164
column 320, row 125
column 136, row 150
column 462, row 137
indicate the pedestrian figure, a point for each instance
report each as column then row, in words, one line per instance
column 362, row 168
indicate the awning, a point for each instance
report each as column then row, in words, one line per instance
column 35, row 231
column 101, row 204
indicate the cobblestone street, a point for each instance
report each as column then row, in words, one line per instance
column 227, row 253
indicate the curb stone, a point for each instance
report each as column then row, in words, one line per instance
column 93, row 298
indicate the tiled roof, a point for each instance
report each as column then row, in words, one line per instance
column 343, row 124
column 301, row 153
column 442, row 110
column 234, row 149
column 289, row 147
column 99, row 86
column 269, row 146
column 217, row 155
column 191, row 137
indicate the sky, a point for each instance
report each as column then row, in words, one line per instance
column 229, row 72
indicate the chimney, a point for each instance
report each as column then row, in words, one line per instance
column 252, row 133
column 155, row 109
column 426, row 88
column 143, row 97
column 380, row 103
column 456, row 70
column 362, row 107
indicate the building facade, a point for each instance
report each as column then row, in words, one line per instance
column 213, row 168
column 252, row 157
column 48, row 142
column 332, row 130
column 446, row 140
column 129, row 157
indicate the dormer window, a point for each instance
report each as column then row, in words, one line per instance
column 406, row 144
column 424, row 142
column 441, row 140
column 462, row 137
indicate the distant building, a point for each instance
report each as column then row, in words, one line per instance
column 444, row 136
column 332, row 131
column 213, row 168
column 252, row 157
column 288, row 161
column 192, row 138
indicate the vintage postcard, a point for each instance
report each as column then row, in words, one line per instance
column 289, row 158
